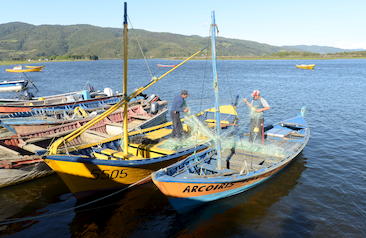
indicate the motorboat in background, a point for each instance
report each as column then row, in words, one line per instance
column 305, row 66
column 20, row 69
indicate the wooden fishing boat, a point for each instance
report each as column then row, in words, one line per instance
column 120, row 161
column 67, row 101
column 102, row 165
column 233, row 167
column 166, row 65
column 20, row 69
column 11, row 100
column 19, row 161
column 13, row 86
column 36, row 120
column 109, row 126
column 305, row 66
column 56, row 98
column 15, row 169
column 197, row 179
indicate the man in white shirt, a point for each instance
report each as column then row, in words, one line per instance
column 258, row 105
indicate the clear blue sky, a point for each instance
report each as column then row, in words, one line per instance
column 339, row 23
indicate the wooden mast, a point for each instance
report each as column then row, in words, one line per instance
column 125, row 70
column 53, row 150
column 216, row 89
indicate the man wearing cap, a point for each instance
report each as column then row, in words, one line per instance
column 258, row 105
column 179, row 105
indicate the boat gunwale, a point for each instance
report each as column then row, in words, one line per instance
column 135, row 133
column 22, row 81
column 126, row 163
column 105, row 98
column 89, row 159
column 29, row 121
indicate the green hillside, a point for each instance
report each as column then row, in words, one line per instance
column 23, row 41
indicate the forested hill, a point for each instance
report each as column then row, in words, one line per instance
column 22, row 41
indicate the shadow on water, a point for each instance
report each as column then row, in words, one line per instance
column 297, row 224
column 122, row 215
column 144, row 211
column 29, row 199
column 271, row 206
column 238, row 215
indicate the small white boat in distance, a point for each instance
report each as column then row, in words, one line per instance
column 166, row 65
column 13, row 86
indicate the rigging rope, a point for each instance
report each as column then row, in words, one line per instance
column 54, row 147
column 204, row 77
column 16, row 220
column 142, row 52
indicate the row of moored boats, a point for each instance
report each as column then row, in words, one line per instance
column 82, row 136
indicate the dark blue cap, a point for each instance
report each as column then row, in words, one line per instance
column 184, row 92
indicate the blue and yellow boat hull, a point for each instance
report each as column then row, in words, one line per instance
column 103, row 166
column 198, row 179
column 85, row 175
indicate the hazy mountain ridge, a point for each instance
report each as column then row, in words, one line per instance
column 22, row 41
column 319, row 49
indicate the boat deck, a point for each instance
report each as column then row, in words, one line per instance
column 247, row 157
column 253, row 159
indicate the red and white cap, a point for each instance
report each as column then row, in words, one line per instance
column 256, row 93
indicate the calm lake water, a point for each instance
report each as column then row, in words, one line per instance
column 320, row 194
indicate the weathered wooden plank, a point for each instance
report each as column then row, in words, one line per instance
column 8, row 151
column 32, row 148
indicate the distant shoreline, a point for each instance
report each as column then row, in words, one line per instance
column 266, row 58
column 18, row 62
column 14, row 62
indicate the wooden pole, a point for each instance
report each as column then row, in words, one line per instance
column 216, row 90
column 125, row 70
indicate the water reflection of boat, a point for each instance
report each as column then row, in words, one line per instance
column 32, row 199
column 139, row 208
column 245, row 209
column 305, row 66
column 13, row 86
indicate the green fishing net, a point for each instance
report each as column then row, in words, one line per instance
column 199, row 133
column 244, row 144
column 196, row 133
